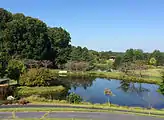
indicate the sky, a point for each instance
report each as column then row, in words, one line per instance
column 101, row 25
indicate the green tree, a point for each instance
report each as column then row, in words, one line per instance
column 5, row 17
column 129, row 56
column 117, row 62
column 140, row 65
column 153, row 61
column 25, row 37
column 138, row 54
column 158, row 56
column 161, row 86
column 76, row 53
column 60, row 40
column 14, row 69
column 4, row 58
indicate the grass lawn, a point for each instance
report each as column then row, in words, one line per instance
column 146, row 113
column 46, row 119
column 86, row 108
column 49, row 119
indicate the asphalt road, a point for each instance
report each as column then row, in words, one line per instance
column 81, row 115
column 65, row 106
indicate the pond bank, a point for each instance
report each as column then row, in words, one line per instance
column 110, row 75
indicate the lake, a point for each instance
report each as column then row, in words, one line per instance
column 125, row 93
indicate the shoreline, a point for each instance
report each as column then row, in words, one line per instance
column 109, row 75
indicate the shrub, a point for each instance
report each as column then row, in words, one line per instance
column 74, row 98
column 14, row 69
column 77, row 66
column 57, row 92
column 36, row 77
column 161, row 86
column 22, row 101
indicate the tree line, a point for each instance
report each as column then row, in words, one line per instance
column 30, row 40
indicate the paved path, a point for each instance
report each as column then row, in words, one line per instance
column 87, row 116
column 65, row 106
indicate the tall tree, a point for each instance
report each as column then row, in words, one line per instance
column 60, row 40
column 158, row 56
column 5, row 17
column 117, row 62
column 129, row 56
column 25, row 37
column 138, row 54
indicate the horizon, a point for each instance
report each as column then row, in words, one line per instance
column 113, row 25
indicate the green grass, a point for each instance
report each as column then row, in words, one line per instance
column 49, row 109
column 39, row 101
column 151, row 72
column 49, row 119
column 28, row 91
column 152, row 76
column 56, row 109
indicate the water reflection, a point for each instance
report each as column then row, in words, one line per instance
column 126, row 93
column 132, row 87
column 75, row 82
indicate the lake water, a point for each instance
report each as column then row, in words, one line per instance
column 126, row 94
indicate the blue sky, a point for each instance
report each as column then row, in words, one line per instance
column 101, row 24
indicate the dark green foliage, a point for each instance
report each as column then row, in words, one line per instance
column 36, row 77
column 117, row 62
column 14, row 69
column 4, row 58
column 159, row 57
column 132, row 55
column 161, row 87
column 5, row 17
column 26, row 38
column 81, row 54
column 29, row 38
column 74, row 98
column 60, row 40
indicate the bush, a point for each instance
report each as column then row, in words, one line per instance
column 57, row 92
column 77, row 66
column 74, row 98
column 23, row 101
column 14, row 69
column 36, row 77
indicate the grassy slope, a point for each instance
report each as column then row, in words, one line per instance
column 50, row 119
column 150, row 76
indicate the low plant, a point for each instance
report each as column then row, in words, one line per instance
column 57, row 92
column 23, row 101
column 74, row 98
column 36, row 77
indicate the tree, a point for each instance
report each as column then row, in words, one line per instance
column 158, row 56
column 60, row 40
column 129, row 56
column 76, row 53
column 117, row 62
column 125, row 67
column 161, row 86
column 138, row 54
column 153, row 61
column 4, row 58
column 5, row 17
column 77, row 65
column 140, row 66
column 26, row 37
column 14, row 69
column 132, row 55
